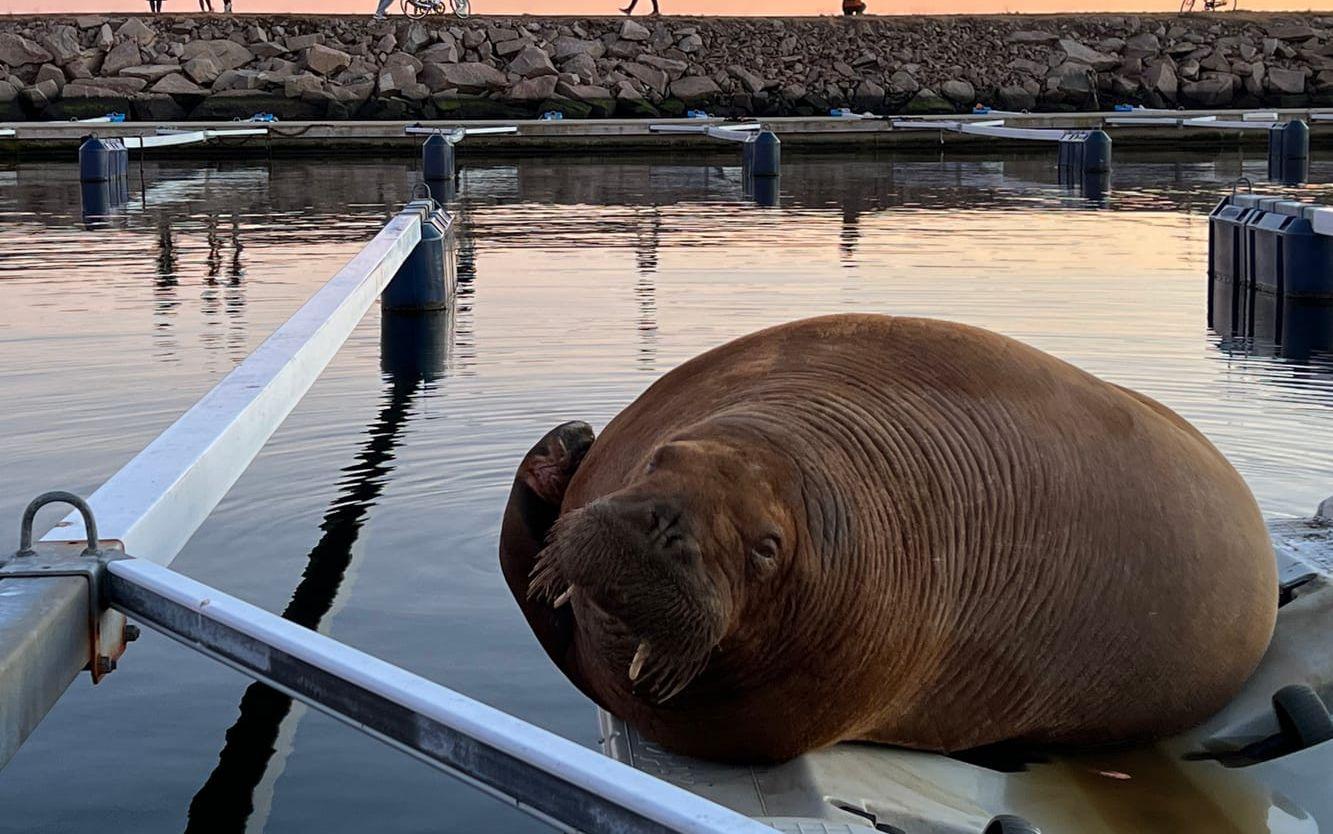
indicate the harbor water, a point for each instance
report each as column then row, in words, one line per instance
column 373, row 513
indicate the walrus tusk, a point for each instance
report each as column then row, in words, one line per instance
column 564, row 598
column 636, row 665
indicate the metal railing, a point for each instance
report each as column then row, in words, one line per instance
column 165, row 138
column 992, row 127
column 60, row 609
column 457, row 134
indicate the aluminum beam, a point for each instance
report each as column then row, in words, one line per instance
column 191, row 137
column 549, row 777
column 993, row 128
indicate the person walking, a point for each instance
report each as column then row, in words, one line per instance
column 226, row 6
column 155, row 6
column 381, row 9
column 206, row 6
column 632, row 3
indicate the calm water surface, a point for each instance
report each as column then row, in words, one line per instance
column 372, row 515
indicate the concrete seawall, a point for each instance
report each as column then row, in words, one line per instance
column 308, row 67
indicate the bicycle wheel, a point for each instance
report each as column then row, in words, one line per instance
column 462, row 8
column 414, row 10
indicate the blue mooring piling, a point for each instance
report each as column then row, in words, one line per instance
column 1289, row 152
column 437, row 158
column 425, row 281
column 1268, row 260
column 1089, row 151
column 103, row 160
column 765, row 154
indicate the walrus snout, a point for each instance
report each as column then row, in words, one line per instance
column 630, row 570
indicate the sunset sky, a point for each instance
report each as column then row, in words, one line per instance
column 696, row 7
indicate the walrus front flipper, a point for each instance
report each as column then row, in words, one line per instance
column 534, row 504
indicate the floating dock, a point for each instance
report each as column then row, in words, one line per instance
column 834, row 133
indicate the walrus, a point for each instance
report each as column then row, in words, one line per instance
column 894, row 530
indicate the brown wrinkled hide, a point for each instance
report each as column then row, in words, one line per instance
column 896, row 530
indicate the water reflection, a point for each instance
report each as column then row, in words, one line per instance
column 580, row 281
column 413, row 351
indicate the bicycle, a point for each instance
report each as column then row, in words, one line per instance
column 417, row 9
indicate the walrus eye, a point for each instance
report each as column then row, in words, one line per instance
column 764, row 554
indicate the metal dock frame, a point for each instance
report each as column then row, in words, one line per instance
column 61, row 606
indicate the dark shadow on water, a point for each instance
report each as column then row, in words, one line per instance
column 413, row 352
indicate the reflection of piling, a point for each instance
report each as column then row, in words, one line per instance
column 413, row 351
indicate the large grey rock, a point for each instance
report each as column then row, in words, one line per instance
column 533, row 89
column 902, row 83
column 63, row 43
column 105, row 38
column 1032, row 36
column 439, row 53
column 1216, row 91
column 237, row 80
column 1085, row 55
column 226, row 54
column 927, row 100
column 531, row 62
column 754, row 83
column 504, row 49
column 651, row 76
column 1161, row 78
column 150, row 72
column 395, row 78
column 1291, row 82
column 267, row 49
column 690, row 44
column 631, row 31
column 1071, row 78
column 326, row 61
column 16, row 51
column 298, row 42
column 412, row 36
column 581, row 65
column 89, row 21
column 39, row 95
column 122, row 55
column 80, row 90
column 1144, row 42
column 567, row 47
column 1291, row 31
column 694, row 88
column 1014, row 97
column 304, row 86
column 670, row 66
column 868, row 96
column 50, row 72
column 177, row 84
column 470, row 77
column 202, row 70
column 958, row 91
column 135, row 30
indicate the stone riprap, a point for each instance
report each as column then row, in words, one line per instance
column 298, row 67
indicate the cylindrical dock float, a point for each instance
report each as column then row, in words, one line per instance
column 766, row 154
column 1097, row 152
column 437, row 158
column 96, row 160
column 1289, row 152
column 425, row 281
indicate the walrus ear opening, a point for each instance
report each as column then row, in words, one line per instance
column 550, row 464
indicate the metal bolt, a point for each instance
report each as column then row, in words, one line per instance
column 131, row 632
column 105, row 665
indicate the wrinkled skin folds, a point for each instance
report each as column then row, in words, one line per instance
column 896, row 530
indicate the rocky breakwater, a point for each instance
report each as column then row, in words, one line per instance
column 215, row 67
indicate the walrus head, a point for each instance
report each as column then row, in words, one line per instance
column 658, row 571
